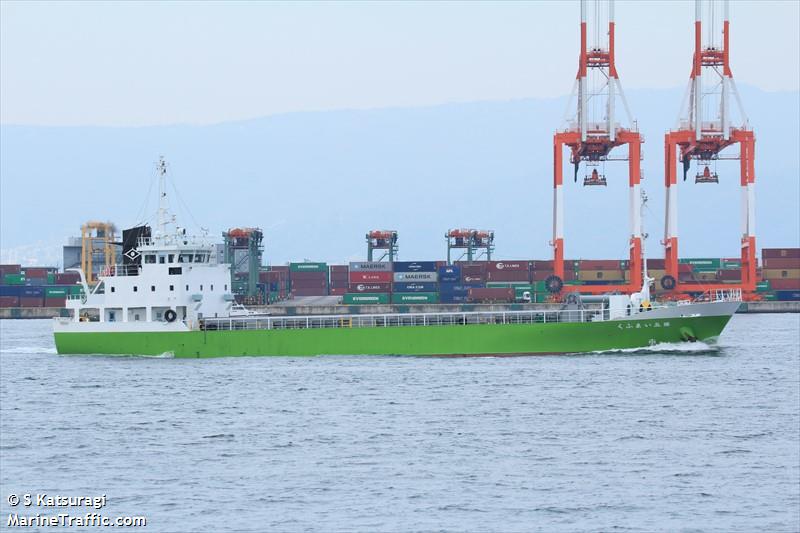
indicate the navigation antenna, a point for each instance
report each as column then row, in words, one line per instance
column 162, row 197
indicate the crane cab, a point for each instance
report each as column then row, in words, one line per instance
column 706, row 176
column 594, row 179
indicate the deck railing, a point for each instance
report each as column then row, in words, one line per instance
column 405, row 319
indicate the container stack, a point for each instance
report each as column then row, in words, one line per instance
column 513, row 275
column 36, row 286
column 780, row 274
column 415, row 282
column 273, row 283
column 370, row 282
column 308, row 279
column 339, row 279
column 601, row 271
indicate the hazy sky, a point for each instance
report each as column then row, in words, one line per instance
column 140, row 63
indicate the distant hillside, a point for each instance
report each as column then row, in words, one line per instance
column 316, row 182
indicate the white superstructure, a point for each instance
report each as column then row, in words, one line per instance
column 178, row 282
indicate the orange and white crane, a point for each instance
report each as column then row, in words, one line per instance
column 592, row 132
column 705, row 129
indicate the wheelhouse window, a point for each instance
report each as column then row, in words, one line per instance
column 201, row 288
column 185, row 258
column 162, row 259
column 198, row 258
column 171, row 258
column 150, row 258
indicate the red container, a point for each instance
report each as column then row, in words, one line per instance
column 67, row 278
column 9, row 301
column 506, row 266
column 371, row 277
column 537, row 264
column 337, row 291
column 9, row 269
column 309, row 292
column 473, row 278
column 685, row 268
column 370, row 287
column 729, row 275
column 508, row 275
column 490, row 295
column 656, row 264
column 780, row 253
column 785, row 284
column 337, row 284
column 309, row 284
column 31, row 301
column 599, row 264
column 782, row 263
column 55, row 302
column 309, row 275
column 541, row 275
column 472, row 268
column 37, row 272
column 339, row 268
column 284, row 268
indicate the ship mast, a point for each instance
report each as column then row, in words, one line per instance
column 162, row 197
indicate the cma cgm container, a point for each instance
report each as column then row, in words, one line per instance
column 506, row 266
column 508, row 275
column 370, row 287
column 415, row 287
column 415, row 298
column 415, row 266
column 365, row 299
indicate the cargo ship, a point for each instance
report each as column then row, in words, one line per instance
column 178, row 302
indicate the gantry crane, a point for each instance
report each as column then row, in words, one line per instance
column 592, row 133
column 97, row 238
column 705, row 129
column 475, row 241
column 382, row 239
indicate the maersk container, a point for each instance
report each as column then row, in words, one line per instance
column 365, row 299
column 371, row 266
column 415, row 287
column 415, row 266
column 308, row 267
column 415, row 298
column 423, row 277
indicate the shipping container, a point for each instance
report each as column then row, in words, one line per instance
column 9, row 301
column 337, row 291
column 31, row 301
column 309, row 292
column 472, row 269
column 452, row 298
column 538, row 264
column 339, row 269
column 365, row 299
column 56, row 292
column 490, row 295
column 601, row 275
column 763, row 286
column 415, row 298
column 415, row 266
column 458, row 288
column 369, row 287
column 10, row 290
column 55, row 301
column 473, row 278
column 729, row 275
column 371, row 266
column 508, row 275
column 308, row 267
column 318, row 275
column 309, row 284
column 14, row 279
column 509, row 285
column 361, row 276
column 782, row 263
column 702, row 263
column 784, row 284
column 414, row 286
column 10, row 269
column 787, row 296
column 32, row 291
column 415, row 276
column 67, row 278
column 541, row 275
column 786, row 273
column 449, row 274
column 505, row 266
column 777, row 253
column 599, row 264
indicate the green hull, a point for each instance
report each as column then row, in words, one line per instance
column 475, row 339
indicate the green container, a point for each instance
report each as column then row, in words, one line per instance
column 415, row 298
column 540, row 286
column 51, row 279
column 702, row 264
column 541, row 297
column 520, row 290
column 75, row 289
column 14, row 279
column 56, row 292
column 769, row 296
column 365, row 299
column 763, row 286
column 308, row 267
column 574, row 282
column 732, row 264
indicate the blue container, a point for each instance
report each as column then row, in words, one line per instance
column 10, row 290
column 415, row 266
column 37, row 282
column 415, row 287
column 449, row 274
column 787, row 296
column 458, row 288
column 452, row 298
column 31, row 292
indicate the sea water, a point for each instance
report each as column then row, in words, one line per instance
column 673, row 438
